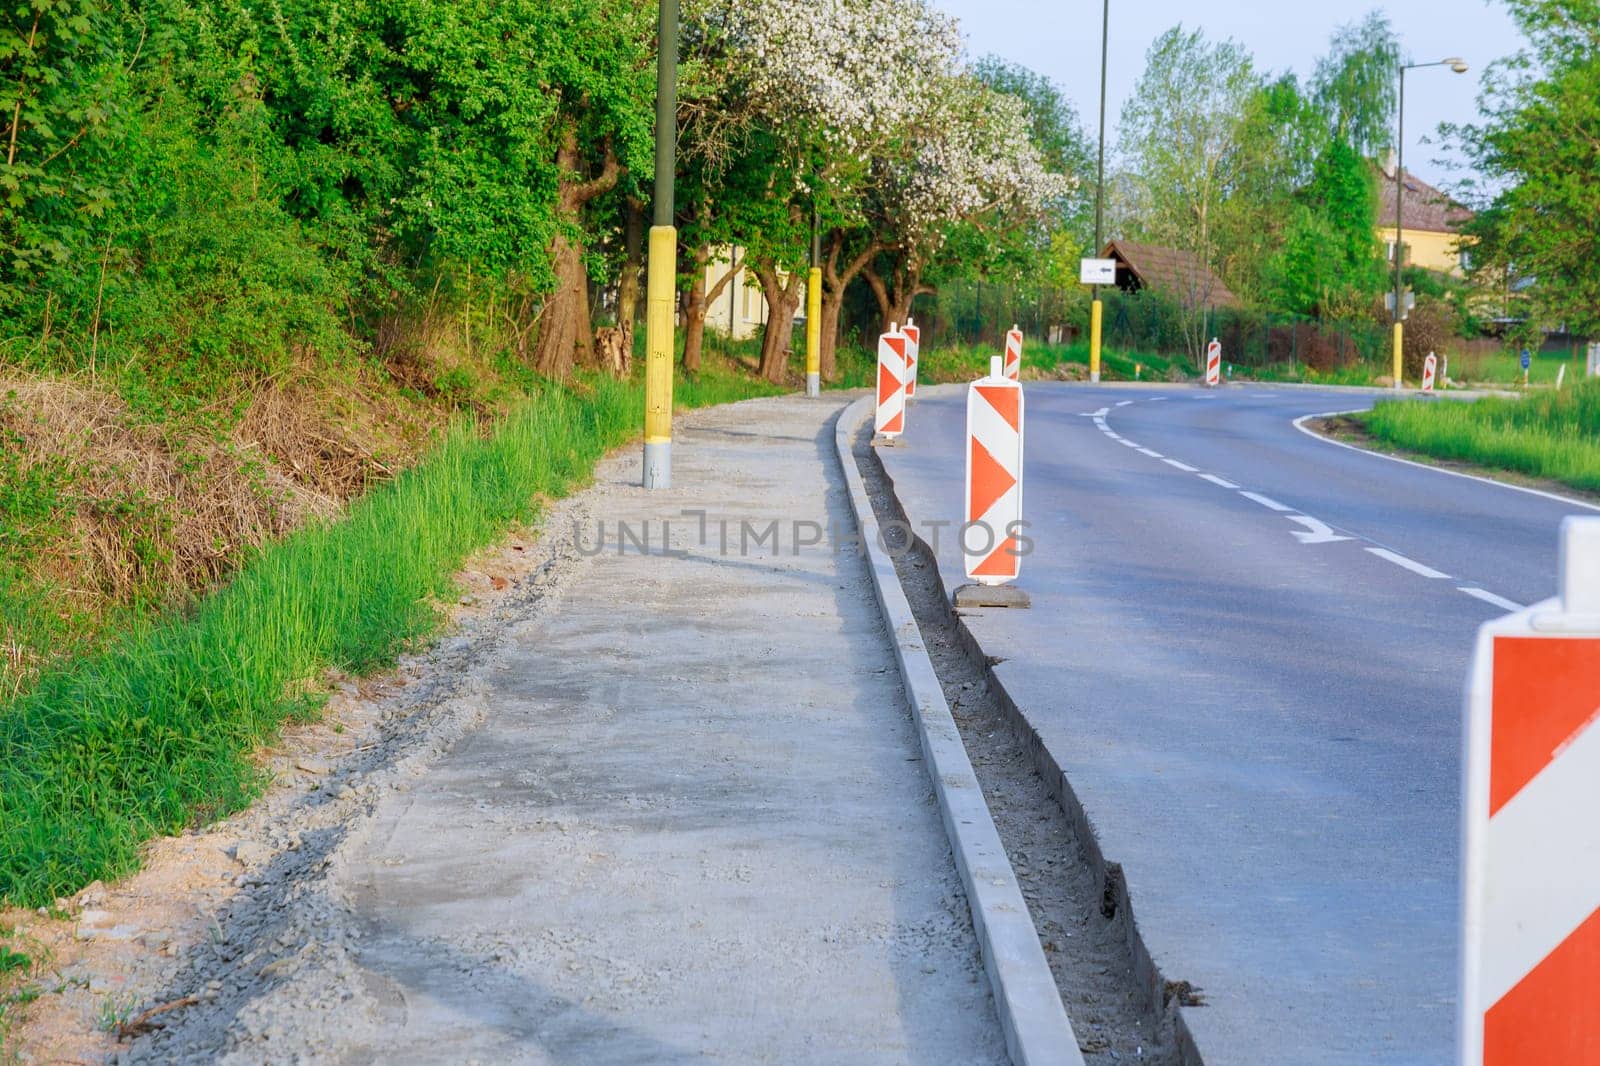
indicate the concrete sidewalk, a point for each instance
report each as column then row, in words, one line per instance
column 695, row 824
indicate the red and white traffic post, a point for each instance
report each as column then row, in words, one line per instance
column 1213, row 363
column 1530, row 957
column 1430, row 368
column 1013, row 368
column 992, row 537
column 913, row 334
column 890, row 419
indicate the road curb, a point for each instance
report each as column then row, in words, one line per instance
column 1037, row 1030
column 1108, row 874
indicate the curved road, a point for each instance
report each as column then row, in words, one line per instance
column 1247, row 651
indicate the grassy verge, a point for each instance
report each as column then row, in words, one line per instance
column 151, row 733
column 965, row 362
column 1552, row 435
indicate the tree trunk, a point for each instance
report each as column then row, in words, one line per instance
column 836, row 282
column 783, row 300
column 694, row 316
column 895, row 298
column 565, row 332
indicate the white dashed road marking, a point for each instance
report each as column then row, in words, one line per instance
column 1266, row 501
column 1185, row 467
column 1215, row 480
column 1409, row 564
column 1490, row 598
column 1151, row 454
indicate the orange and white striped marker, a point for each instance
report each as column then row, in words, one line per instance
column 1014, row 354
column 993, row 514
column 1430, row 368
column 1214, row 363
column 913, row 334
column 1530, row 958
column 891, row 414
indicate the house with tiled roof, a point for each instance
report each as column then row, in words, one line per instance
column 1430, row 220
column 1169, row 271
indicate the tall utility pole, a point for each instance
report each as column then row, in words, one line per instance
column 663, row 269
column 1458, row 65
column 814, row 310
column 1096, row 309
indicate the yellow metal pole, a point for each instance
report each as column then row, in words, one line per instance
column 814, row 332
column 1096, row 314
column 658, row 357
column 1399, row 355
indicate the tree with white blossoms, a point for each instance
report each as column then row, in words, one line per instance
column 967, row 163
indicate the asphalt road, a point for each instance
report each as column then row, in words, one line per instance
column 1247, row 651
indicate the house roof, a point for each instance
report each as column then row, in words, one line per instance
column 1424, row 208
column 1169, row 270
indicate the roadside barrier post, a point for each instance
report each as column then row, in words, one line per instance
column 992, row 531
column 890, row 419
column 1430, row 367
column 913, row 334
column 1594, row 360
column 1214, row 363
column 1444, row 372
column 1531, row 840
column 1561, row 375
column 1014, row 354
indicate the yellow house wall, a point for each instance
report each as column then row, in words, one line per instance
column 1434, row 251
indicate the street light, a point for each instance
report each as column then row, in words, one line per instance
column 1096, row 309
column 1459, row 65
column 663, row 266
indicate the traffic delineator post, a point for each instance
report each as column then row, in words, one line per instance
column 1013, row 367
column 1430, row 367
column 890, row 419
column 913, row 334
column 1530, row 838
column 992, row 529
column 1214, row 363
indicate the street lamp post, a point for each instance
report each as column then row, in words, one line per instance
column 1096, row 309
column 663, row 267
column 1458, row 65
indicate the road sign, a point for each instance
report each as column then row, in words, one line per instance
column 990, row 537
column 913, row 334
column 1214, row 362
column 1430, row 367
column 1014, row 354
column 1097, row 271
column 1527, row 360
column 1531, row 875
column 890, row 420
column 1409, row 305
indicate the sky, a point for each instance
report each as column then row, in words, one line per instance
column 1061, row 39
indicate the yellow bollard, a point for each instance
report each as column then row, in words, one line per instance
column 1399, row 356
column 814, row 333
column 1096, row 312
column 658, row 357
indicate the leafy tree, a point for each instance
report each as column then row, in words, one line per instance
column 1329, row 264
column 1354, row 84
column 1540, row 140
column 1182, row 140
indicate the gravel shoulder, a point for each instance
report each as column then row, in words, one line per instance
column 639, row 807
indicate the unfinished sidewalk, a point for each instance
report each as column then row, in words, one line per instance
column 693, row 824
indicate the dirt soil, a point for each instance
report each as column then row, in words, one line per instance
column 1075, row 915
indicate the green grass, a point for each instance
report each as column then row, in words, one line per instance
column 152, row 733
column 966, row 362
column 1356, row 374
column 1549, row 434
column 1505, row 368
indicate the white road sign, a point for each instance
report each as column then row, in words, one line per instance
column 1097, row 271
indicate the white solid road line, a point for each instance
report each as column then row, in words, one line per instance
column 1265, row 501
column 1490, row 598
column 1151, row 454
column 1126, row 443
column 1185, row 467
column 1300, row 424
column 1410, row 564
column 1215, row 480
